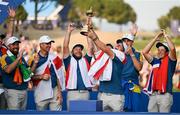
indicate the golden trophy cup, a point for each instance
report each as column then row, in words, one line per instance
column 85, row 29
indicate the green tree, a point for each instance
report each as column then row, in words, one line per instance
column 116, row 11
column 173, row 14
column 164, row 22
column 21, row 15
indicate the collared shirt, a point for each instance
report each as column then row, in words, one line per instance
column 114, row 86
column 129, row 71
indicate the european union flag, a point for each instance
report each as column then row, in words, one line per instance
column 5, row 4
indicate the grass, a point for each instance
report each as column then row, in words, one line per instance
column 140, row 44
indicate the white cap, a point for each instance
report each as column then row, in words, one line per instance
column 12, row 40
column 165, row 44
column 128, row 36
column 45, row 39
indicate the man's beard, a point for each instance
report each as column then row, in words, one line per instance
column 14, row 52
column 77, row 58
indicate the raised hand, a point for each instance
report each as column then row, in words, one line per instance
column 159, row 35
column 134, row 29
column 92, row 34
column 129, row 50
column 164, row 32
column 11, row 12
column 20, row 55
column 71, row 27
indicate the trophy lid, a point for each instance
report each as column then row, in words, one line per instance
column 90, row 12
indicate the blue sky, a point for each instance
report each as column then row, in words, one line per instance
column 29, row 6
column 148, row 11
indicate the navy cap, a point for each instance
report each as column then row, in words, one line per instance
column 78, row 45
column 2, row 36
column 164, row 44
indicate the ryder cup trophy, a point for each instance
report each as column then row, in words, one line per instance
column 85, row 29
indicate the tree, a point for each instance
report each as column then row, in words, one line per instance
column 173, row 14
column 116, row 11
column 62, row 2
column 164, row 22
column 21, row 15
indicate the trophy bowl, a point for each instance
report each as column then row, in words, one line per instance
column 84, row 30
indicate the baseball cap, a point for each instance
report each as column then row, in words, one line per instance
column 12, row 40
column 119, row 41
column 110, row 45
column 45, row 39
column 128, row 36
column 78, row 45
column 164, row 44
column 2, row 36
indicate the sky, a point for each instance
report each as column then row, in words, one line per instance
column 148, row 11
column 29, row 6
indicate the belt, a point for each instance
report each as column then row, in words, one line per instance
column 77, row 90
column 158, row 92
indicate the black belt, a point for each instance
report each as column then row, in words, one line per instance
column 78, row 90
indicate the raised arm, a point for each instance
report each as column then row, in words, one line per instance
column 134, row 30
column 90, row 46
column 66, row 52
column 10, row 26
column 148, row 47
column 137, row 64
column 172, row 49
column 100, row 44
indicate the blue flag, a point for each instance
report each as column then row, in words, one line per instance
column 5, row 4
